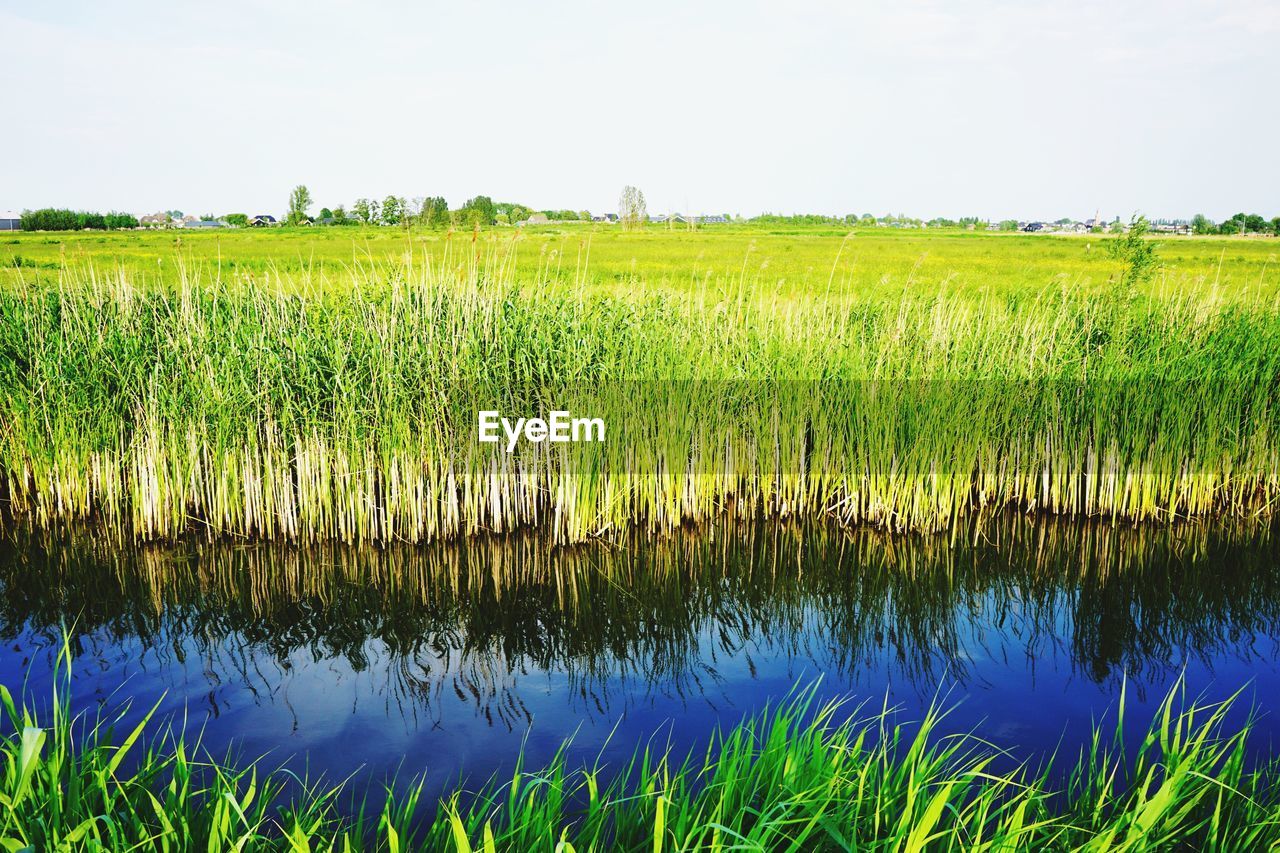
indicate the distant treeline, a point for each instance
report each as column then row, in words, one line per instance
column 434, row 212
column 1241, row 223
column 60, row 219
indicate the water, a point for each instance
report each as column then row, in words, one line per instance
column 445, row 661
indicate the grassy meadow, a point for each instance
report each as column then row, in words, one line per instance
column 341, row 403
column 796, row 261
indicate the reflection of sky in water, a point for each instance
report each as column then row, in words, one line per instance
column 1009, row 657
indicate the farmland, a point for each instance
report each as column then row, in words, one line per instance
column 786, row 261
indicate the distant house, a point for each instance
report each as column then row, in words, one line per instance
column 10, row 221
column 537, row 219
column 203, row 223
column 605, row 217
column 263, row 220
column 685, row 220
column 154, row 220
column 1033, row 226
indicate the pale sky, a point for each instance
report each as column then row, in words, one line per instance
column 993, row 109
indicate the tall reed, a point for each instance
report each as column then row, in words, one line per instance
column 286, row 408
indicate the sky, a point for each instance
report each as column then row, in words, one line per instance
column 991, row 109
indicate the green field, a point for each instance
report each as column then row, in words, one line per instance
column 789, row 261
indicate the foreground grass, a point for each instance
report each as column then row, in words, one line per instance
column 269, row 409
column 798, row 777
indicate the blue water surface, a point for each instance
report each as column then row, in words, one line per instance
column 444, row 663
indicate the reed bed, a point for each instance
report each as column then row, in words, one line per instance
column 799, row 776
column 282, row 408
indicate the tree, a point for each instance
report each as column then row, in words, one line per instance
column 1201, row 224
column 340, row 216
column 63, row 219
column 515, row 212
column 326, row 213
column 392, row 210
column 435, row 212
column 239, row 220
column 299, row 201
column 116, row 219
column 1275, row 226
column 362, row 211
column 59, row 219
column 631, row 208
column 48, row 219
column 1242, row 224
column 478, row 211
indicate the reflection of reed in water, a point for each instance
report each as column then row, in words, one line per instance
column 472, row 620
